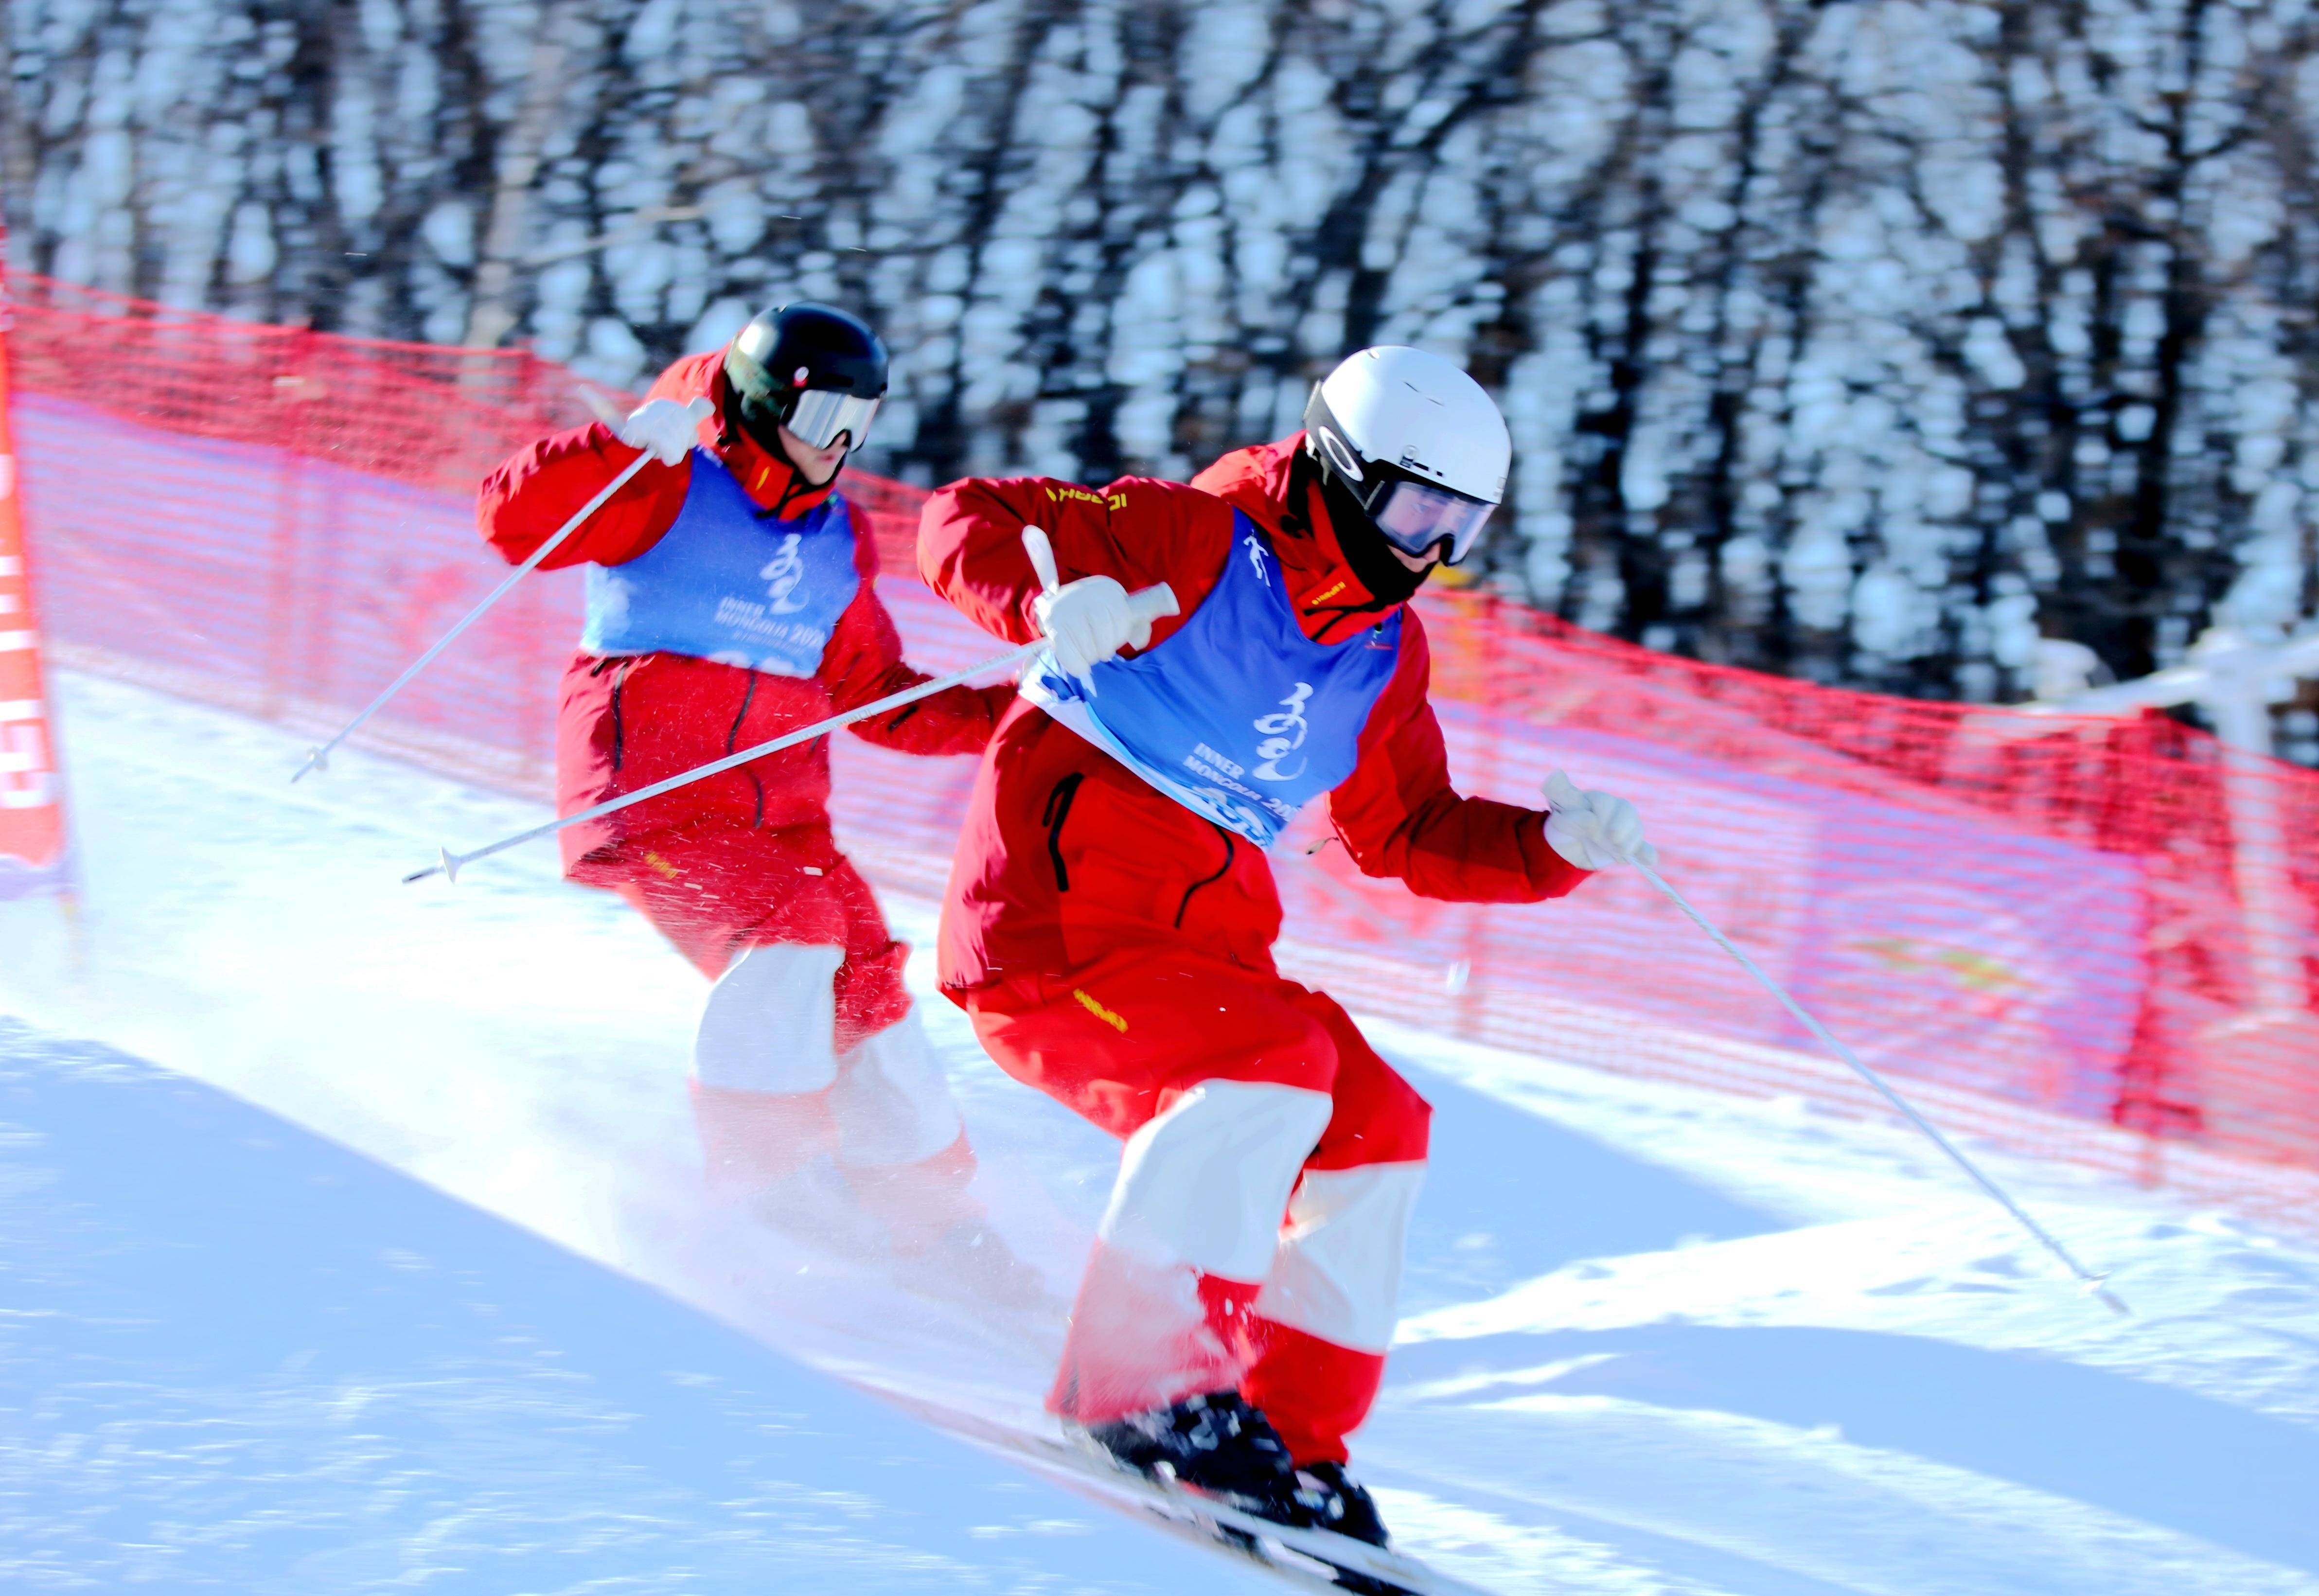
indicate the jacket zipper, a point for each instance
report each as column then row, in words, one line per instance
column 1058, row 810
column 1232, row 852
column 733, row 739
column 619, row 728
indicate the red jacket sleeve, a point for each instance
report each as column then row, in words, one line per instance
column 523, row 502
column 863, row 663
column 1398, row 815
column 1136, row 531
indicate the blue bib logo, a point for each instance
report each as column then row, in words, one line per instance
column 1282, row 734
column 723, row 585
column 1239, row 715
column 782, row 575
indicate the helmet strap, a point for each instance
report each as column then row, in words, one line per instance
column 800, row 490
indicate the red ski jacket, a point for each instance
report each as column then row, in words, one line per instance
column 1066, row 853
column 630, row 721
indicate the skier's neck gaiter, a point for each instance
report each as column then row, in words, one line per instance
column 1321, row 508
column 762, row 466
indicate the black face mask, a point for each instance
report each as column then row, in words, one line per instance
column 1364, row 547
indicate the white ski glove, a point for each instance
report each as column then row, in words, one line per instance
column 663, row 429
column 1593, row 830
column 1090, row 620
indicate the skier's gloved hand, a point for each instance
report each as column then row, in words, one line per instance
column 663, row 429
column 1593, row 830
column 1089, row 621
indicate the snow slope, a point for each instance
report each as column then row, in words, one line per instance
column 1655, row 1340
column 236, row 1355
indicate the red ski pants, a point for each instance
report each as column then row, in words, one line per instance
column 1241, row 1096
column 717, row 891
column 807, row 1045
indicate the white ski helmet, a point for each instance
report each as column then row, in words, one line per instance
column 1416, row 441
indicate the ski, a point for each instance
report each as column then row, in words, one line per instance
column 1313, row 1557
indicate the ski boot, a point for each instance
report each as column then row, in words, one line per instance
column 1334, row 1500
column 1217, row 1445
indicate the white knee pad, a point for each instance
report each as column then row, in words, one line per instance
column 1205, row 1184
column 770, row 1023
column 1337, row 1275
column 892, row 1102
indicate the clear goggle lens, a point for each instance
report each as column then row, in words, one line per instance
column 1415, row 516
column 820, row 414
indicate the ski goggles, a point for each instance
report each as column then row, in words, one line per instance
column 818, row 415
column 1415, row 517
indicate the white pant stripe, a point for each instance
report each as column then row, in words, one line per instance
column 770, row 1026
column 1205, row 1183
column 1337, row 1274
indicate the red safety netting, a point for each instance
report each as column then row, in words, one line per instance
column 2091, row 939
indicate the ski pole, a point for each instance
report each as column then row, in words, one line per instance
column 449, row 866
column 2096, row 1284
column 318, row 759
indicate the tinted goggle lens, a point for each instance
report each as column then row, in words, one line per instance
column 820, row 414
column 1415, row 516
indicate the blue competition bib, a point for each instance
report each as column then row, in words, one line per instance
column 723, row 585
column 1238, row 715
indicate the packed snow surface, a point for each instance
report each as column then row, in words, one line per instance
column 1655, row 1339
column 237, row 1354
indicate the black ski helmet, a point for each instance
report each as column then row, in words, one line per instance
column 816, row 369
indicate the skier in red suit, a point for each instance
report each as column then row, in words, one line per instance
column 1110, row 915
column 730, row 599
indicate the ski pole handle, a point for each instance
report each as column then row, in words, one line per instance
column 2096, row 1284
column 1144, row 605
column 1147, row 605
column 1043, row 558
column 450, row 864
column 318, row 759
column 1153, row 603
